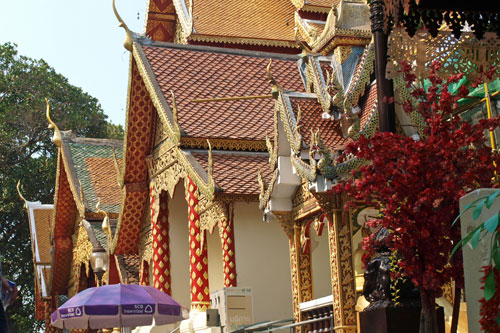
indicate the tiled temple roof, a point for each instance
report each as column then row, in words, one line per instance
column 236, row 173
column 256, row 19
column 91, row 164
column 198, row 73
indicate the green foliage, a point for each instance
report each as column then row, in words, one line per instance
column 488, row 231
column 27, row 154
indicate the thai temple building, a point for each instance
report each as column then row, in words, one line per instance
column 236, row 113
column 69, row 237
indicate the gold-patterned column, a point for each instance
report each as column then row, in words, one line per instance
column 161, row 251
column 300, row 268
column 341, row 265
column 51, row 306
column 226, row 233
column 198, row 254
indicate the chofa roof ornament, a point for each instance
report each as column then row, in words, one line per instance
column 57, row 137
column 270, row 78
column 127, row 43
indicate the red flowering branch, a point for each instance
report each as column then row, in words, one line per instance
column 416, row 184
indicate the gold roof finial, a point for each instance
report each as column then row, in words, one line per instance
column 270, row 78
column 119, row 175
column 305, row 49
column 57, row 137
column 21, row 195
column 127, row 43
column 106, row 227
column 175, row 115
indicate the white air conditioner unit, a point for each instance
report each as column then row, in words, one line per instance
column 235, row 307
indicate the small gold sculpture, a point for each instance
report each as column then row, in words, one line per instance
column 127, row 43
column 106, row 227
column 270, row 78
column 21, row 195
column 57, row 137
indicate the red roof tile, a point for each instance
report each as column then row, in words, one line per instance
column 367, row 103
column 311, row 112
column 237, row 173
column 193, row 74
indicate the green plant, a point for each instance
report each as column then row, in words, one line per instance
column 488, row 230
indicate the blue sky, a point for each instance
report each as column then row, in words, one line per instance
column 80, row 39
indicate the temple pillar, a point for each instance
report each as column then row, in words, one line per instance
column 226, row 233
column 301, row 272
column 341, row 264
column 385, row 90
column 51, row 306
column 198, row 254
column 161, row 251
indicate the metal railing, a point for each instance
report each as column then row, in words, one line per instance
column 277, row 325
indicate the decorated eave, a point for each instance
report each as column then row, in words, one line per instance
column 40, row 222
column 173, row 89
column 347, row 23
column 315, row 6
column 311, row 128
column 85, row 174
column 458, row 16
column 240, row 22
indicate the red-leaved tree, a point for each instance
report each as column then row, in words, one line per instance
column 417, row 184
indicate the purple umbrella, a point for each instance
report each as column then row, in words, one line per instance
column 118, row 305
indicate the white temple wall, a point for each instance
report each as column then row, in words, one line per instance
column 320, row 256
column 179, row 246
column 263, row 263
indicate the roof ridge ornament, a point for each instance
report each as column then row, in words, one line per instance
column 106, row 228
column 127, row 43
column 57, row 137
column 270, row 78
column 306, row 50
column 119, row 174
column 21, row 195
column 176, row 128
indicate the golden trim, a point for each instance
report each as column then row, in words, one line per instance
column 186, row 22
column 155, row 93
column 287, row 118
column 57, row 137
column 119, row 174
column 224, row 144
column 240, row 40
column 79, row 202
column 127, row 43
column 265, row 194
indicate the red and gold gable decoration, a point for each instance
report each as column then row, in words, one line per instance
column 138, row 146
column 65, row 214
column 161, row 20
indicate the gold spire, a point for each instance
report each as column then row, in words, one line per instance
column 270, row 78
column 21, row 195
column 57, row 137
column 127, row 43
column 119, row 175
